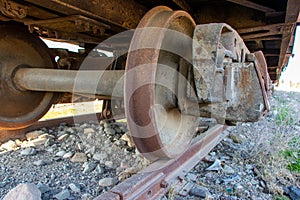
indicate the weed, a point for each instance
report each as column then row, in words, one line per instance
column 273, row 146
column 292, row 155
column 280, row 197
column 285, row 116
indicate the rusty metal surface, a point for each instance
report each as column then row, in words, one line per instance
column 21, row 108
column 12, row 9
column 265, row 80
column 232, row 85
column 212, row 43
column 245, row 102
column 155, row 122
column 97, row 82
column 46, row 18
column 154, row 181
column 121, row 14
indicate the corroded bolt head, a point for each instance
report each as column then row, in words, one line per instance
column 250, row 57
column 164, row 184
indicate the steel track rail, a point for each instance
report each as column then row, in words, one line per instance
column 6, row 135
column 154, row 181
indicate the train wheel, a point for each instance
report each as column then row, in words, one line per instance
column 19, row 48
column 157, row 124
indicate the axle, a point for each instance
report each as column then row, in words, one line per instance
column 98, row 82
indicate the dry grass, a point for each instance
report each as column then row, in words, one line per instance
column 271, row 145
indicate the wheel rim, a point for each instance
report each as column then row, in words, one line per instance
column 156, row 124
column 18, row 48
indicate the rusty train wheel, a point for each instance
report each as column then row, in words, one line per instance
column 157, row 125
column 19, row 48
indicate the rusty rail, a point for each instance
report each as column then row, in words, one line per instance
column 6, row 135
column 154, row 181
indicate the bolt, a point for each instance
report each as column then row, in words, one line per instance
column 164, row 184
column 250, row 57
column 180, row 178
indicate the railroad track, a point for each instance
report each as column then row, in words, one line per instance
column 155, row 180
column 6, row 135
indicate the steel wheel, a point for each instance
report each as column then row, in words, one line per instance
column 19, row 48
column 156, row 123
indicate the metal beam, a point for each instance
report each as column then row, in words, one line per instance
column 266, row 31
column 124, row 15
column 273, row 67
column 292, row 16
column 277, row 28
column 183, row 5
column 265, row 38
column 252, row 5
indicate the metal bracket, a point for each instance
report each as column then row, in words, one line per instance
column 12, row 9
column 212, row 43
column 229, row 84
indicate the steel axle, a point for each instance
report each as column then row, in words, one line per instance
column 98, row 82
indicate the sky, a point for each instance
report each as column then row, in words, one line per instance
column 292, row 71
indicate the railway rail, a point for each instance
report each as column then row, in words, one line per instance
column 6, row 135
column 155, row 180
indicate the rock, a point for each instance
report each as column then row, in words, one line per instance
column 294, row 192
column 86, row 197
column 236, row 138
column 74, row 188
column 228, row 170
column 239, row 188
column 110, row 131
column 80, row 146
column 79, row 157
column 262, row 184
column 88, row 130
column 91, row 150
column 63, row 137
column 49, row 142
column 40, row 163
column 3, row 184
column 199, row 191
column 216, row 166
column 70, row 130
column 232, row 178
column 89, row 167
column 28, row 152
column 24, row 191
column 10, row 145
column 99, row 169
column 60, row 153
column 33, row 134
column 43, row 188
column 109, row 164
column 68, row 155
column 100, row 156
column 65, row 194
column 105, row 182
column 127, row 139
column 46, row 136
column 38, row 141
